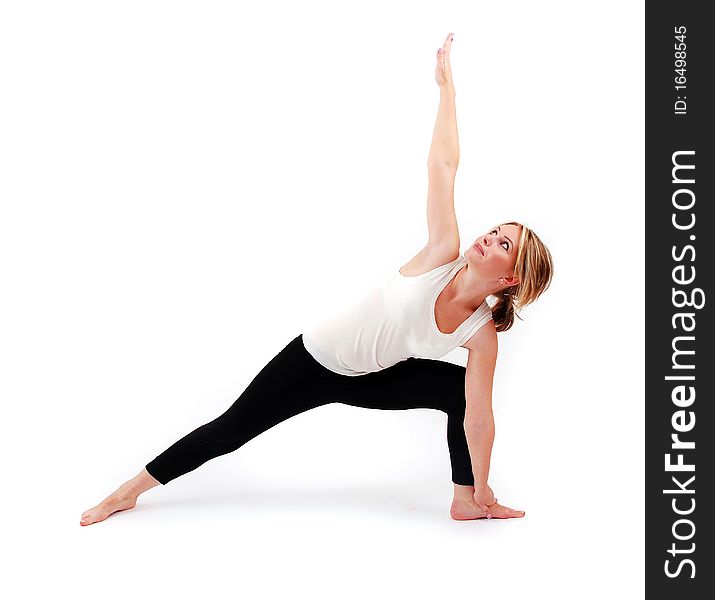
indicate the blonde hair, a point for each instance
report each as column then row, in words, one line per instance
column 534, row 270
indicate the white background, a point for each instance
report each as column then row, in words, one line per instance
column 187, row 185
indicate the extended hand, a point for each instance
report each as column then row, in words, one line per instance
column 443, row 71
column 484, row 498
column 464, row 509
column 487, row 503
column 497, row 511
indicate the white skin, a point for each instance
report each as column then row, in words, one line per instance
column 123, row 498
column 484, row 274
column 490, row 265
column 489, row 269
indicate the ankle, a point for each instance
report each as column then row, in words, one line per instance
column 137, row 485
column 463, row 493
column 127, row 491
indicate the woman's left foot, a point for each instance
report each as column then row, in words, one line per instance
column 464, row 510
column 107, row 507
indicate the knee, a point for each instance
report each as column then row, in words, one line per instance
column 456, row 399
column 456, row 417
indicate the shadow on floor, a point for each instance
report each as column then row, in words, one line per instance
column 384, row 500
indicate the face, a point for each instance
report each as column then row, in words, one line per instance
column 493, row 254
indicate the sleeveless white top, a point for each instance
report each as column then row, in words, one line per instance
column 394, row 321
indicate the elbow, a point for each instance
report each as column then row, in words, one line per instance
column 474, row 422
column 443, row 163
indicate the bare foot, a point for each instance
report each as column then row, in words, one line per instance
column 465, row 510
column 105, row 508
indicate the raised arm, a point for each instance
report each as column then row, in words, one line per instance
column 443, row 158
column 443, row 241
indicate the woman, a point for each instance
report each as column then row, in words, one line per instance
column 366, row 356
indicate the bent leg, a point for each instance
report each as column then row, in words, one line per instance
column 291, row 383
column 462, row 473
column 420, row 383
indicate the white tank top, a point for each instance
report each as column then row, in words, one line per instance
column 392, row 322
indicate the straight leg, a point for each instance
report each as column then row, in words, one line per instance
column 288, row 385
column 291, row 383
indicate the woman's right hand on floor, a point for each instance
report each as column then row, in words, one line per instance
column 485, row 500
column 498, row 511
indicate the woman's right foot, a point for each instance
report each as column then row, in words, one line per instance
column 107, row 507
column 467, row 510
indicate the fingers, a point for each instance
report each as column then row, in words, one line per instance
column 443, row 52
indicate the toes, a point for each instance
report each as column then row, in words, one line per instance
column 89, row 517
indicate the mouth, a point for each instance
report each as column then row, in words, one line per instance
column 479, row 248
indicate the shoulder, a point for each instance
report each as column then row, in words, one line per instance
column 429, row 258
column 484, row 341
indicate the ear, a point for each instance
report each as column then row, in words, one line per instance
column 511, row 280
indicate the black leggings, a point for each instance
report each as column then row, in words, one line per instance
column 294, row 382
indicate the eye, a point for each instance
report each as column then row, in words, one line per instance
column 504, row 245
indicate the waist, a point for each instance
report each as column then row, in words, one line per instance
column 327, row 361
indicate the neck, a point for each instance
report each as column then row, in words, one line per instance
column 469, row 289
